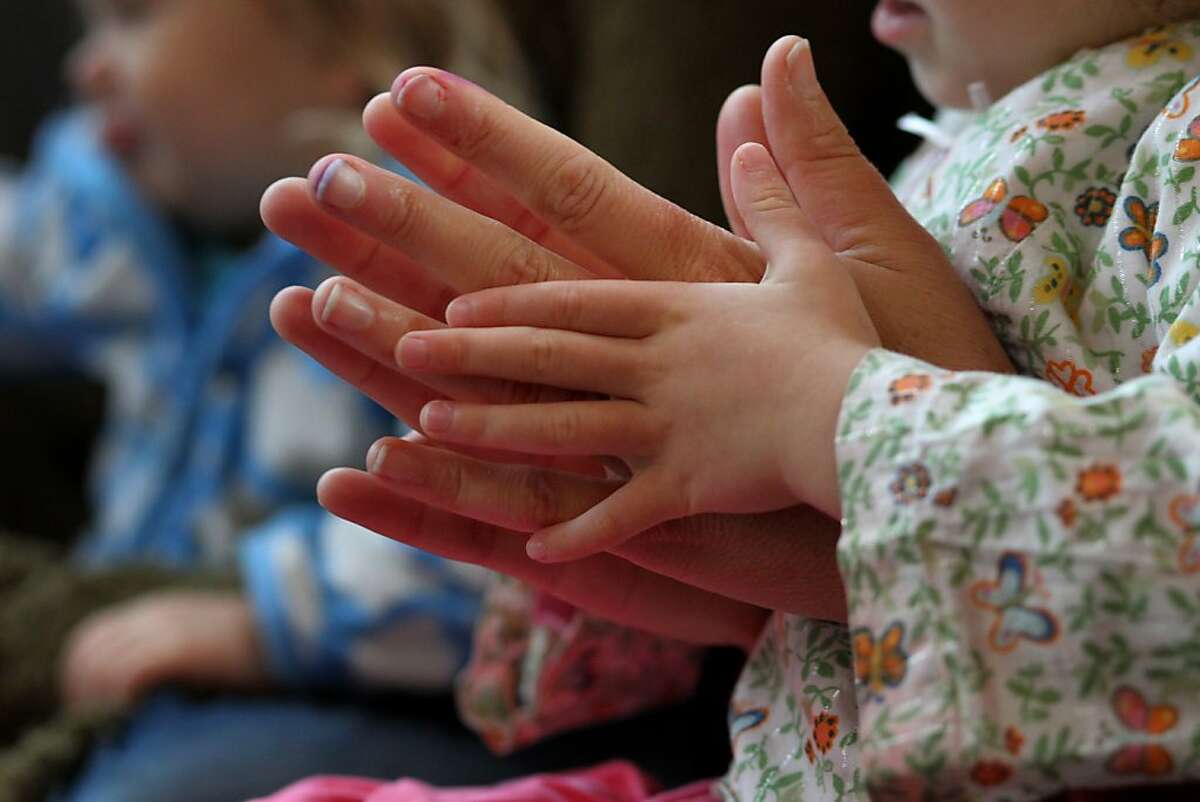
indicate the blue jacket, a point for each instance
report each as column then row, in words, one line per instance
column 209, row 453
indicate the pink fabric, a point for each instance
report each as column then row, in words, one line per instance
column 540, row 667
column 609, row 782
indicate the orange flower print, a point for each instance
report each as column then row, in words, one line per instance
column 1095, row 206
column 1148, row 359
column 1136, row 714
column 947, row 497
column 1187, row 149
column 1063, row 120
column 1075, row 380
column 1013, row 740
column 1018, row 134
column 912, row 483
column 1185, row 512
column 1155, row 45
column 1099, row 483
column 825, row 731
column 810, row 751
column 907, row 388
column 991, row 772
column 1017, row 216
column 1141, row 236
column 1068, row 513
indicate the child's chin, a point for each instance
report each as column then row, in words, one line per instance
column 938, row 86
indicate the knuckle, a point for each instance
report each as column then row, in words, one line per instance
column 524, row 262
column 569, row 307
column 541, row 498
column 400, row 216
column 830, row 138
column 450, row 484
column 543, row 355
column 478, row 134
column 772, row 200
column 574, row 191
column 563, row 427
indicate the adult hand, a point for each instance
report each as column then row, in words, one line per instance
column 759, row 438
column 410, row 245
column 204, row 639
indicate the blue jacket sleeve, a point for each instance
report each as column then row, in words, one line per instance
column 75, row 242
column 338, row 605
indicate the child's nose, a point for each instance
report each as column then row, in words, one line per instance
column 90, row 68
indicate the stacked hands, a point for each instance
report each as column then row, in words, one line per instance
column 715, row 375
column 717, row 386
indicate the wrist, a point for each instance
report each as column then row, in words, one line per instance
column 811, row 464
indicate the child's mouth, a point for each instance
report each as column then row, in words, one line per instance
column 119, row 134
column 897, row 20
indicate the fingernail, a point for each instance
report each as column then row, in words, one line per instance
column 347, row 310
column 413, row 352
column 754, row 158
column 460, row 311
column 395, row 465
column 437, row 416
column 536, row 550
column 421, row 97
column 376, row 456
column 341, row 186
column 799, row 60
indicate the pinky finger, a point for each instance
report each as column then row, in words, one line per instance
column 643, row 503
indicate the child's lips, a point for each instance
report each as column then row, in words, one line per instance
column 118, row 134
column 897, row 20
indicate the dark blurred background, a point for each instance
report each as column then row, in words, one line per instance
column 639, row 81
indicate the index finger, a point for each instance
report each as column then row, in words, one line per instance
column 565, row 185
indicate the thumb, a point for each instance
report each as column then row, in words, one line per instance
column 843, row 194
column 740, row 121
column 771, row 215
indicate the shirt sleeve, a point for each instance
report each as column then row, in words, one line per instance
column 72, row 276
column 1022, row 556
column 1023, row 569
column 540, row 667
column 338, row 605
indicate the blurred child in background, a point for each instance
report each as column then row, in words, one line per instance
column 131, row 249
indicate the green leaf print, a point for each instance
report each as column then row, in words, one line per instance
column 1051, row 753
column 1037, row 701
column 1104, row 665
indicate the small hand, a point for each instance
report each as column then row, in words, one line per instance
column 203, row 639
column 723, row 397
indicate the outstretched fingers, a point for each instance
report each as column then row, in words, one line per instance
column 643, row 503
column 563, row 185
column 604, row 585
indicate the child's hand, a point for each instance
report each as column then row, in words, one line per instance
column 203, row 639
column 724, row 397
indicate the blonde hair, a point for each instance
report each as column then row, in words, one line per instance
column 381, row 38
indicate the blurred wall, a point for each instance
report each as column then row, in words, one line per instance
column 641, row 81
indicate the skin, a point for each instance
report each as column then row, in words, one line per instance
column 644, row 350
column 204, row 91
column 206, row 639
column 519, row 204
column 964, row 42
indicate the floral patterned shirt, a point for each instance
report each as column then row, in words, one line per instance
column 1021, row 553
